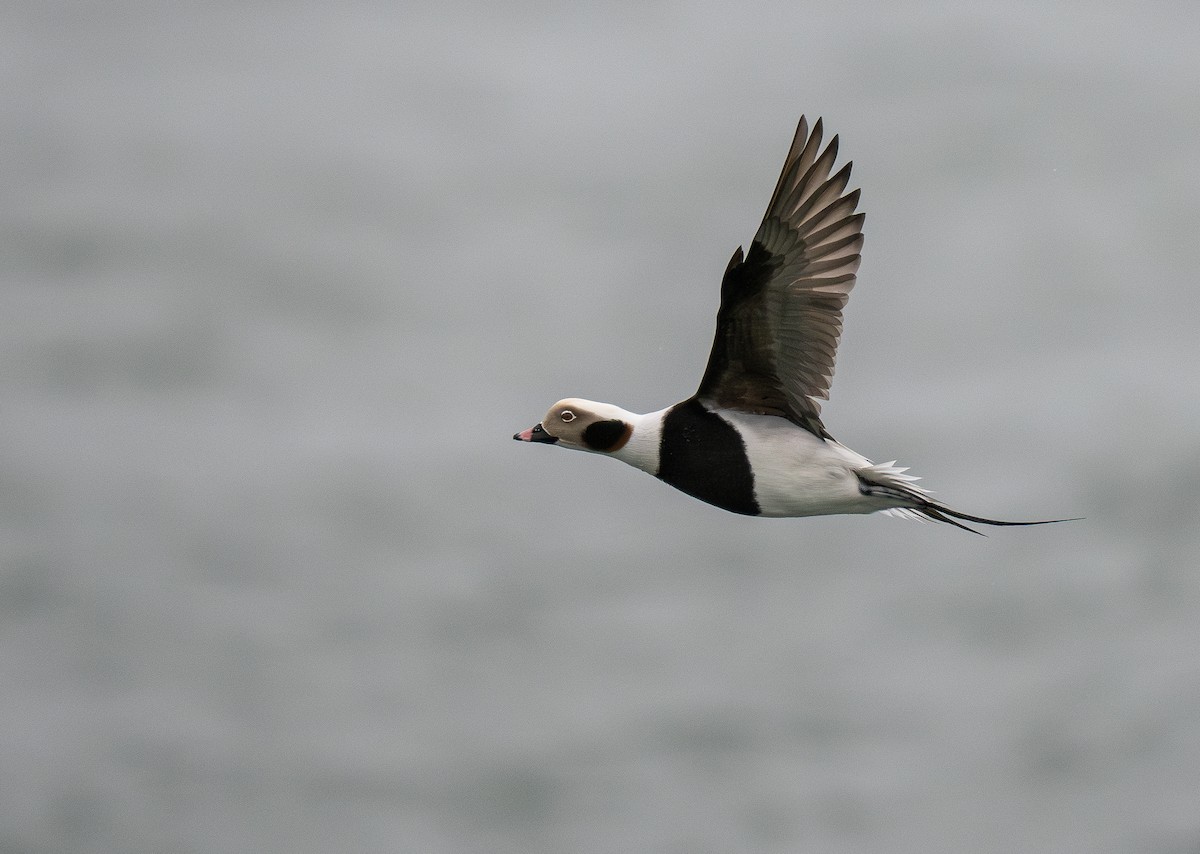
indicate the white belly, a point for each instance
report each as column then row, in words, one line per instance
column 797, row 473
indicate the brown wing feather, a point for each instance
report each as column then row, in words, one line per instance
column 781, row 303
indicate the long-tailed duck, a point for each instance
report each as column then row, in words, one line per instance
column 750, row 440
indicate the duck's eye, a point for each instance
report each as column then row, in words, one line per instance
column 567, row 416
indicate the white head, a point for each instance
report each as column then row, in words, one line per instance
column 583, row 424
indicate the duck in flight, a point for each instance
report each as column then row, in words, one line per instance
column 750, row 440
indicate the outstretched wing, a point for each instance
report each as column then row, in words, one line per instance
column 781, row 303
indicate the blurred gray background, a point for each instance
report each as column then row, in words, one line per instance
column 280, row 280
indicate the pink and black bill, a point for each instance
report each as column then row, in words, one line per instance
column 536, row 433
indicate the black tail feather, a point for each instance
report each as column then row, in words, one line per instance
column 941, row 513
column 919, row 502
column 936, row 515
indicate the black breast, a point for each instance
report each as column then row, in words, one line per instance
column 703, row 455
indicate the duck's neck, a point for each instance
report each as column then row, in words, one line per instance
column 641, row 451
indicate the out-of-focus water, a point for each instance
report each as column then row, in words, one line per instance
column 279, row 282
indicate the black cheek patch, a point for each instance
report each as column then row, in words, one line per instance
column 605, row 435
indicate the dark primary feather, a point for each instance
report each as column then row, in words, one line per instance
column 781, row 302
